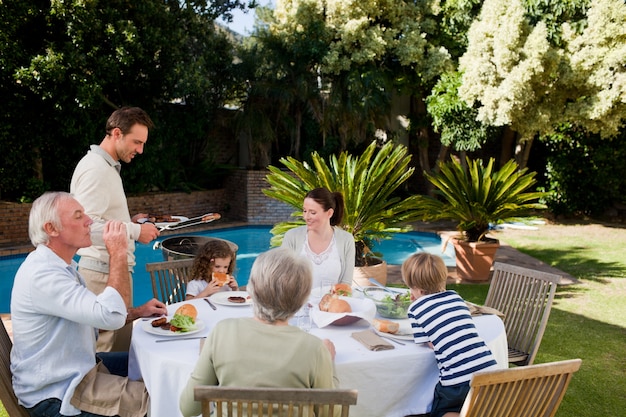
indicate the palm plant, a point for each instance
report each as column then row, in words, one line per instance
column 479, row 196
column 368, row 183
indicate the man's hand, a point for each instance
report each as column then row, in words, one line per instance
column 153, row 308
column 148, row 233
column 139, row 218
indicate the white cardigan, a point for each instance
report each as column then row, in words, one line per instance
column 294, row 239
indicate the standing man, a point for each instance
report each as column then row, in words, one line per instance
column 97, row 185
column 54, row 318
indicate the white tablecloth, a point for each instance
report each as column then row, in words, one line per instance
column 391, row 383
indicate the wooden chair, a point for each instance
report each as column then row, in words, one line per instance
column 7, row 396
column 283, row 402
column 525, row 298
column 527, row 391
column 169, row 279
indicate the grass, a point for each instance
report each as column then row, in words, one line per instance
column 588, row 319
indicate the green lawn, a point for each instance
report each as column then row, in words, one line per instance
column 588, row 319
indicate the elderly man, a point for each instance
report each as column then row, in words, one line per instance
column 55, row 317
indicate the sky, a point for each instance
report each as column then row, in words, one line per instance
column 244, row 22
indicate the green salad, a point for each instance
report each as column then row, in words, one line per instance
column 394, row 307
column 183, row 323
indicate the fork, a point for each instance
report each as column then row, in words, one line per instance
column 391, row 339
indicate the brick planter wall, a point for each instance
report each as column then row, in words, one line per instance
column 246, row 201
column 14, row 224
column 240, row 200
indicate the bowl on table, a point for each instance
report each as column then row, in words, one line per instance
column 390, row 303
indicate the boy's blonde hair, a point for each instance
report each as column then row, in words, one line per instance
column 426, row 272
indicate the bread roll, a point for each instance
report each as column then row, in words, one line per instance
column 220, row 278
column 334, row 304
column 341, row 289
column 386, row 326
column 187, row 310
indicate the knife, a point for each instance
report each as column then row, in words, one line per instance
column 210, row 303
column 173, row 339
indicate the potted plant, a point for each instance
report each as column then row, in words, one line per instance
column 476, row 197
column 368, row 183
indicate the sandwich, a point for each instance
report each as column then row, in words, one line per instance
column 341, row 289
column 220, row 278
column 386, row 326
column 184, row 319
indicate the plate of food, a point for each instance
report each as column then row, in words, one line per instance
column 232, row 298
column 183, row 322
column 162, row 327
column 396, row 329
column 165, row 219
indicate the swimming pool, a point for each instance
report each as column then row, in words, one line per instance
column 252, row 240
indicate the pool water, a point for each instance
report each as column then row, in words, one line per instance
column 252, row 240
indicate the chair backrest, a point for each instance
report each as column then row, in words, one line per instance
column 526, row 391
column 525, row 298
column 7, row 396
column 284, row 402
column 169, row 279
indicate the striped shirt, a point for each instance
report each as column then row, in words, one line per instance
column 444, row 320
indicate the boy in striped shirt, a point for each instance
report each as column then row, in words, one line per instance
column 441, row 319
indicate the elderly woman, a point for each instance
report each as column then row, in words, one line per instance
column 265, row 351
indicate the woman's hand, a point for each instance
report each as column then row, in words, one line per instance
column 331, row 348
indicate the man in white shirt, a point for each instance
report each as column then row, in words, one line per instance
column 55, row 317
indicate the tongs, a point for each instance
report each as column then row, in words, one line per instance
column 207, row 218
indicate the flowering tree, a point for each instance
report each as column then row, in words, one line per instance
column 517, row 75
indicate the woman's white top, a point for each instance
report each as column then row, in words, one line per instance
column 326, row 264
column 341, row 250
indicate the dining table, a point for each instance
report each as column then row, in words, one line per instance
column 395, row 382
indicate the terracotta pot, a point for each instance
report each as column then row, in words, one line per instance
column 362, row 274
column 474, row 259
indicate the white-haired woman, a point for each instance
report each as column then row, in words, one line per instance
column 264, row 350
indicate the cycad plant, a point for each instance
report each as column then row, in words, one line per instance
column 478, row 196
column 368, row 183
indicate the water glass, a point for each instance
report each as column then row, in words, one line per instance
column 303, row 317
column 325, row 286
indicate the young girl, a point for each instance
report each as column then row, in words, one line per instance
column 441, row 319
column 215, row 256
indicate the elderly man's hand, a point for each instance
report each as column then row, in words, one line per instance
column 153, row 308
column 115, row 238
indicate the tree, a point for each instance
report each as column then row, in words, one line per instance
column 67, row 64
column 526, row 72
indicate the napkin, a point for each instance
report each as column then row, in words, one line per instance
column 362, row 308
column 476, row 310
column 371, row 340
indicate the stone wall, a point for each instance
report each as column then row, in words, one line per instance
column 241, row 200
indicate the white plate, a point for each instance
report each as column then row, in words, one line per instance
column 404, row 333
column 147, row 326
column 222, row 298
column 178, row 220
